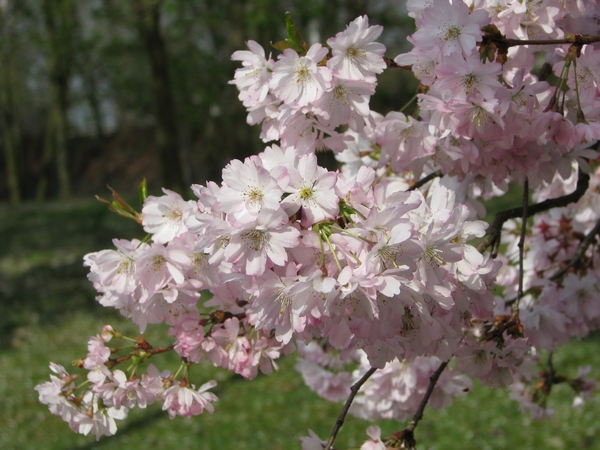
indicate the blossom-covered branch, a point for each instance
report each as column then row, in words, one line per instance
column 359, row 268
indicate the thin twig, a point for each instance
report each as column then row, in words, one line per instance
column 492, row 237
column 583, row 246
column 433, row 379
column 425, row 180
column 353, row 391
column 389, row 62
column 407, row 435
column 521, row 244
column 577, row 40
column 579, row 254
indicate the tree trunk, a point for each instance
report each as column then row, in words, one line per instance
column 167, row 141
column 59, row 16
column 47, row 157
column 9, row 139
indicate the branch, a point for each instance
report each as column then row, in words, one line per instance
column 432, row 382
column 392, row 65
column 521, row 244
column 583, row 246
column 425, row 180
column 575, row 39
column 408, row 434
column 148, row 352
column 353, row 391
column 493, row 236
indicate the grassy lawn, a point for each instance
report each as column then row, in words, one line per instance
column 47, row 312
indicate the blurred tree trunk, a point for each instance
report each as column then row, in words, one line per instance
column 47, row 156
column 7, row 111
column 357, row 8
column 59, row 18
column 91, row 91
column 167, row 141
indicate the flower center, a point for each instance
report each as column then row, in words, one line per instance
column 125, row 265
column 257, row 240
column 468, row 81
column 302, row 74
column 452, row 33
column 157, row 262
column 306, row 193
column 174, row 215
column 433, row 257
column 255, row 195
column 339, row 93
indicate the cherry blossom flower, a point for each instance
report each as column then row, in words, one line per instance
column 182, row 399
column 299, row 80
column 248, row 187
column 312, row 442
column 165, row 216
column 451, row 27
column 375, row 442
column 355, row 55
column 254, row 77
column 461, row 77
column 310, row 188
column 98, row 420
column 260, row 243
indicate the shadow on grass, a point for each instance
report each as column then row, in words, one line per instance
column 149, row 417
column 41, row 264
column 137, row 424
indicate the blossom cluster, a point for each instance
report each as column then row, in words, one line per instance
column 113, row 393
column 354, row 267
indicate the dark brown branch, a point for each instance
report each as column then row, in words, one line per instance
column 353, row 391
column 392, row 65
column 576, row 40
column 432, row 382
column 583, row 246
column 146, row 351
column 522, row 243
column 493, row 236
column 425, row 180
column 407, row 436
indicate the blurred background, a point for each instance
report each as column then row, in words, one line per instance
column 108, row 91
column 97, row 92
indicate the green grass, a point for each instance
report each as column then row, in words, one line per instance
column 47, row 312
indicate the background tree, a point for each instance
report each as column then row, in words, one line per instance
column 109, row 91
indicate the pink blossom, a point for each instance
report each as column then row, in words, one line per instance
column 312, row 442
column 255, row 75
column 299, row 80
column 451, row 27
column 355, row 55
column 259, row 244
column 375, row 442
column 165, row 216
column 311, row 188
column 247, row 188
column 182, row 399
column 463, row 77
column 345, row 101
column 98, row 420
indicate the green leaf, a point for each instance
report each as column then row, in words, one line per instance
column 143, row 191
column 284, row 45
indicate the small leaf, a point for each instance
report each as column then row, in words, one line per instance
column 292, row 31
column 285, row 44
column 121, row 201
column 143, row 191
